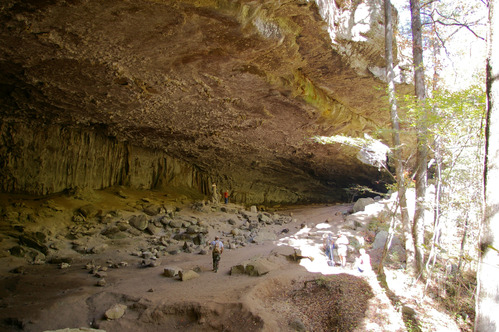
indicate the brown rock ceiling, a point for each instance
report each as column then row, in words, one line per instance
column 235, row 88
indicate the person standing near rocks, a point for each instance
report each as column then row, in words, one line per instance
column 328, row 248
column 342, row 244
column 226, row 197
column 363, row 262
column 214, row 194
column 216, row 253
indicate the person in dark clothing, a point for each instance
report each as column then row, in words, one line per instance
column 216, row 253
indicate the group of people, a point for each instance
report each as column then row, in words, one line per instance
column 362, row 263
column 341, row 245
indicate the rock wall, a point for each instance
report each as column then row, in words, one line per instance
column 49, row 159
column 39, row 159
column 200, row 91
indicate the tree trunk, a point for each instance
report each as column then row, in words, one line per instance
column 435, row 46
column 397, row 153
column 422, row 149
column 487, row 318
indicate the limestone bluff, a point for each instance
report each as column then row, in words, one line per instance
column 154, row 94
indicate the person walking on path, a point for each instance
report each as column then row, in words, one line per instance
column 216, row 253
column 342, row 244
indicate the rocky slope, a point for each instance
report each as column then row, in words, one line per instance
column 155, row 94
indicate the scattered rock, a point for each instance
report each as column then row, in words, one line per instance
column 152, row 210
column 34, row 240
column 188, row 275
column 175, row 223
column 380, row 239
column 361, row 204
column 18, row 270
column 98, row 249
column 116, row 311
column 121, row 194
column 171, row 271
column 150, row 263
column 254, row 267
column 88, row 211
column 101, row 283
column 297, row 325
column 17, row 251
column 140, row 222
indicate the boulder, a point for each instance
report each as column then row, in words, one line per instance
column 193, row 229
column 175, row 223
column 152, row 209
column 199, row 239
column 380, row 239
column 264, row 236
column 140, row 222
column 88, row 211
column 238, row 269
column 361, row 204
column 171, row 271
column 153, row 230
column 258, row 268
column 35, row 240
column 100, row 248
column 187, row 275
column 254, row 267
column 115, row 312
column 265, row 218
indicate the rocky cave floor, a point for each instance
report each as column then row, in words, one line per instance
column 122, row 260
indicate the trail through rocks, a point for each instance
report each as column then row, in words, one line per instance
column 118, row 283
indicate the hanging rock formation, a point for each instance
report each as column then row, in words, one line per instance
column 156, row 94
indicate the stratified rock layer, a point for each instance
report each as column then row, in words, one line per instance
column 152, row 94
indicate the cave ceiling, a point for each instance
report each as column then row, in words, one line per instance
column 236, row 88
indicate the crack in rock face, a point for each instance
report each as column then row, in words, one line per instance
column 185, row 93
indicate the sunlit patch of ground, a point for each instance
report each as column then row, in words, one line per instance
column 380, row 315
column 430, row 315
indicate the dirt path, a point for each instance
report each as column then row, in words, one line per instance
column 46, row 297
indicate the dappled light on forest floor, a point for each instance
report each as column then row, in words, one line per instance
column 408, row 292
column 378, row 313
column 310, row 244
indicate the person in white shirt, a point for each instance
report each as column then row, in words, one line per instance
column 342, row 244
column 363, row 262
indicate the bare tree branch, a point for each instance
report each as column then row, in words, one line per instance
column 454, row 22
column 463, row 25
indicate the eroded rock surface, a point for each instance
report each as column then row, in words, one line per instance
column 154, row 94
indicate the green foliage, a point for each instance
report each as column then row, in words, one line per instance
column 455, row 126
column 377, row 225
column 321, row 281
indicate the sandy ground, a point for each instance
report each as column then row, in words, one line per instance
column 45, row 297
